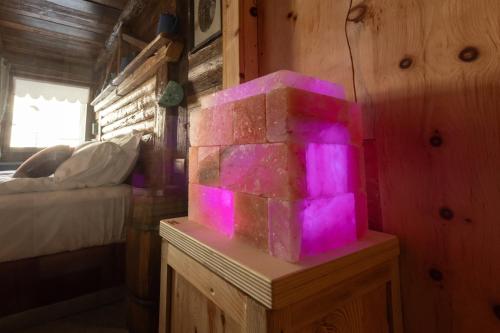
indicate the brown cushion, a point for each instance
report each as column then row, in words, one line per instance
column 44, row 163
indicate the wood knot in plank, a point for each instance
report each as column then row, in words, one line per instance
column 469, row 54
column 405, row 63
column 357, row 13
column 446, row 213
column 436, row 274
column 436, row 140
column 253, row 11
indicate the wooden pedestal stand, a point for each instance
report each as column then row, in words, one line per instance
column 210, row 283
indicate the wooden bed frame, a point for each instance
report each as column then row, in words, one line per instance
column 35, row 282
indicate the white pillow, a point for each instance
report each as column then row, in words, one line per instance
column 97, row 164
column 130, row 145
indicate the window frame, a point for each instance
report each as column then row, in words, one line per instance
column 18, row 154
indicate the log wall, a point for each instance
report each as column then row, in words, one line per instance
column 426, row 74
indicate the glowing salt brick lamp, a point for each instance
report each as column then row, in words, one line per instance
column 278, row 161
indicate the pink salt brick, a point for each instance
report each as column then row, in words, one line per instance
column 284, row 229
column 250, row 219
column 211, row 126
column 323, row 170
column 259, row 169
column 249, row 120
column 271, row 82
column 208, row 165
column 307, row 165
column 193, row 165
column 298, row 115
column 307, row 227
column 213, row 207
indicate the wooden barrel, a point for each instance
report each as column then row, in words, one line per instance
column 144, row 257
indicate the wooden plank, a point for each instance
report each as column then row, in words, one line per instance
column 138, row 69
column 160, row 41
column 256, row 317
column 139, row 116
column 48, row 42
column 267, row 279
column 289, row 38
column 38, row 11
column 144, row 89
column 88, row 7
column 361, row 314
column 144, row 71
column 141, row 74
column 137, row 43
column 131, row 9
column 193, row 312
column 239, row 42
column 24, row 48
column 211, row 51
column 143, row 102
column 48, row 31
column 118, row 4
column 449, row 276
column 220, row 292
column 205, row 76
column 166, row 276
column 146, row 126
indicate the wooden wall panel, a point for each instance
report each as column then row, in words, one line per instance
column 437, row 132
column 426, row 74
column 306, row 36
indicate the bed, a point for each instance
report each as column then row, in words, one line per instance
column 62, row 238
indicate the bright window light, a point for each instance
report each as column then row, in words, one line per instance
column 47, row 114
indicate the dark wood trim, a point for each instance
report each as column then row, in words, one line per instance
column 34, row 282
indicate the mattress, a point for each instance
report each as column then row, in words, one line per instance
column 41, row 223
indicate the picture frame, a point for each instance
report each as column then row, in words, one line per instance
column 206, row 18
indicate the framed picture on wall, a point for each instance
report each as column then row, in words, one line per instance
column 207, row 22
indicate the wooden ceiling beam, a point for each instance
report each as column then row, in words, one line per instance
column 33, row 61
column 88, row 7
column 52, row 76
column 35, row 24
column 49, row 41
column 132, row 9
column 39, row 11
column 118, row 4
column 50, row 54
column 45, row 32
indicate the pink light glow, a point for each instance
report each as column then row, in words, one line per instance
column 331, row 169
column 327, row 223
column 213, row 207
column 299, row 155
column 273, row 81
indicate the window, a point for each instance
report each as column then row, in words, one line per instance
column 46, row 114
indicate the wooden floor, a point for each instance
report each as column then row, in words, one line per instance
column 106, row 319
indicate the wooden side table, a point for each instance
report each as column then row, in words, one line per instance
column 210, row 283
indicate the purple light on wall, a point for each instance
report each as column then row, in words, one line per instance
column 273, row 81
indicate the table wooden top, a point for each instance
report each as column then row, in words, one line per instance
column 266, row 278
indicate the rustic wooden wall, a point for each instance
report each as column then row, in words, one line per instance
column 144, row 26
column 200, row 73
column 426, row 73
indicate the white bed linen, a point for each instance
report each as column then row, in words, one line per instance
column 41, row 223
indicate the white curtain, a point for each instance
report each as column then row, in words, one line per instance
column 49, row 91
column 4, row 86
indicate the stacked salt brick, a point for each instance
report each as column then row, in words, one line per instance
column 278, row 161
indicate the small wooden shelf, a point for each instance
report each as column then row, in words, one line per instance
column 172, row 53
column 222, row 268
